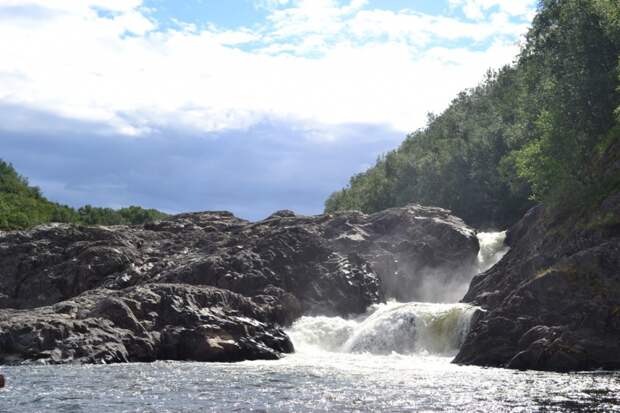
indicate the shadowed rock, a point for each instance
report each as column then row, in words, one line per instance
column 408, row 247
column 143, row 323
column 553, row 302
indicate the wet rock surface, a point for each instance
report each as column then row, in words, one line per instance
column 553, row 301
column 140, row 293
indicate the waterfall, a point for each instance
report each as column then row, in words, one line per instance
column 404, row 328
column 414, row 328
column 492, row 249
column 448, row 285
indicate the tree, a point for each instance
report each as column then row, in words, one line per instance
column 23, row 206
column 530, row 131
column 569, row 67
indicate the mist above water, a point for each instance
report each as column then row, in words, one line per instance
column 434, row 324
column 449, row 285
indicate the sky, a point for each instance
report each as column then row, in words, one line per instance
column 243, row 105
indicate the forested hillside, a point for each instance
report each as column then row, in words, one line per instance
column 22, row 206
column 530, row 132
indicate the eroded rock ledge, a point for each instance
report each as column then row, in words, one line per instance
column 209, row 286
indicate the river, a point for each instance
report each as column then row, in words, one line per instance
column 396, row 357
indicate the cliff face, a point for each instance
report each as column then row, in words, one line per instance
column 127, row 293
column 553, row 302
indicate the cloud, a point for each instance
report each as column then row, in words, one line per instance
column 418, row 29
column 477, row 9
column 75, row 7
column 270, row 166
column 321, row 61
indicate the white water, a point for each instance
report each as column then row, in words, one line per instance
column 403, row 328
column 492, row 249
column 395, row 358
column 443, row 285
column 414, row 328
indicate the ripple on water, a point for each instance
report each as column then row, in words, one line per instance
column 332, row 381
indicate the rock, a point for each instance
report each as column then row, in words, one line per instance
column 408, row 247
column 209, row 286
column 283, row 213
column 335, row 264
column 143, row 323
column 553, row 301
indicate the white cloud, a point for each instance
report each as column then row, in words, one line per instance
column 419, row 29
column 477, row 9
column 75, row 7
column 315, row 60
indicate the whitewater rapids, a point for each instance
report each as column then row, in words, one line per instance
column 414, row 328
column 403, row 328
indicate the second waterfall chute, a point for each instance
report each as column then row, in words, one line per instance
column 404, row 328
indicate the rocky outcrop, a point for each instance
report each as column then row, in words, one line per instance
column 409, row 248
column 143, row 323
column 277, row 269
column 552, row 302
column 290, row 262
column 331, row 264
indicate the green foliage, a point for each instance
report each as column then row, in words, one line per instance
column 570, row 76
column 90, row 215
column 23, row 206
column 618, row 90
column 453, row 163
column 529, row 132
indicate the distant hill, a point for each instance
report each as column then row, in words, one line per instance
column 23, row 206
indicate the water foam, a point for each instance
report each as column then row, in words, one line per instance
column 492, row 249
column 403, row 328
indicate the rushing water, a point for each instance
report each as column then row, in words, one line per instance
column 492, row 249
column 396, row 357
column 403, row 328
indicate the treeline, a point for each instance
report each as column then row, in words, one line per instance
column 23, row 206
column 529, row 132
